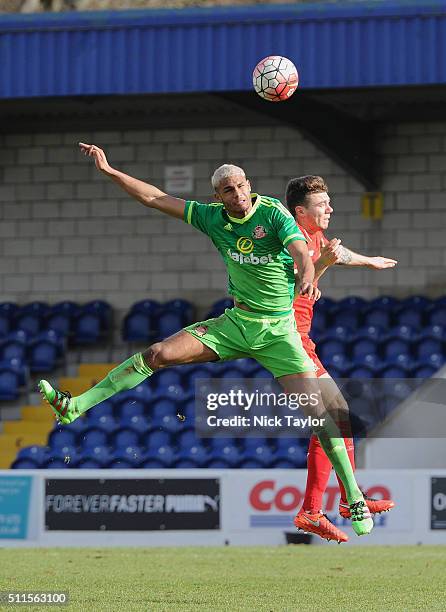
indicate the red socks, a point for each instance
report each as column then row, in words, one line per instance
column 319, row 468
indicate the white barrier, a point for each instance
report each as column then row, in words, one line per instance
column 202, row 507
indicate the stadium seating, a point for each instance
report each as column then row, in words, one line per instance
column 385, row 339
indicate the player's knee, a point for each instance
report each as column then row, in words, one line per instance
column 156, row 356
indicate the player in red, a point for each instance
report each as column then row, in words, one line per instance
column 308, row 200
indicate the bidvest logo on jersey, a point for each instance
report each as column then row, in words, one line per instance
column 246, row 246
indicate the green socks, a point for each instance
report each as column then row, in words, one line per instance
column 334, row 448
column 125, row 376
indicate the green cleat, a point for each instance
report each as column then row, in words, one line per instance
column 362, row 521
column 59, row 401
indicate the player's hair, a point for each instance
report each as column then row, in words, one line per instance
column 223, row 172
column 298, row 188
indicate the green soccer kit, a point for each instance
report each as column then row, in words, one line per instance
column 261, row 276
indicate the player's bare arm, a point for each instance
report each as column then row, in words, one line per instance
column 147, row 194
column 305, row 270
column 334, row 253
column 346, row 257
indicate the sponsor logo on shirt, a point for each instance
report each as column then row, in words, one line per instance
column 245, row 245
column 250, row 259
column 259, row 232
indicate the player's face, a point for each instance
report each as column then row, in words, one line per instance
column 235, row 193
column 316, row 214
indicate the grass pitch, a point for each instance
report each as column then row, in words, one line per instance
column 293, row 578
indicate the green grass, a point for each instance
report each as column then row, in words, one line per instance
column 300, row 578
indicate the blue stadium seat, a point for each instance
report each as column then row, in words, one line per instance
column 99, row 454
column 409, row 316
column 104, row 422
column 369, row 360
column 325, row 303
column 219, row 443
column 229, row 454
column 185, row 464
column 320, row 319
column 283, row 464
column 290, row 451
column 219, row 307
column 363, row 346
column 59, row 322
column 181, row 306
column 38, row 454
column 93, row 437
column 62, row 437
column 130, row 454
column 434, row 331
column 378, row 317
column 162, row 407
column 169, row 323
column 217, row 464
column 339, row 361
column 345, row 317
column 88, row 464
column 187, row 439
column 423, row 371
column 436, row 360
column 196, row 453
column 246, row 366
column 126, row 437
column 360, row 372
column 401, row 360
column 170, row 423
column 327, row 348
column 68, row 454
column 138, row 327
column 14, row 346
column 339, row 332
column 263, row 454
column 131, row 407
column 120, row 464
column 174, row 393
column 419, row 302
column 9, row 384
column 24, row 464
column 353, row 302
column 105, row 408
column 151, row 464
column 394, row 371
column 394, row 347
column 251, row 464
column 428, row 346
column 166, row 378
column 87, row 328
column 384, row 302
column 157, row 439
column 19, row 367
column 150, row 307
column 437, row 315
column 78, row 426
column 164, row 454
column 370, row 332
column 137, row 423
column 56, row 464
column 42, row 355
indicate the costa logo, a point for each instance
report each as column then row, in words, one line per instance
column 245, row 245
column 266, row 496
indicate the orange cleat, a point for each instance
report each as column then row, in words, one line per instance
column 318, row 523
column 376, row 506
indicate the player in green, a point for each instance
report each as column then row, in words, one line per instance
column 260, row 243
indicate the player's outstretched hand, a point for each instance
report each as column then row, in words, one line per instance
column 311, row 291
column 381, row 263
column 331, row 252
column 98, row 155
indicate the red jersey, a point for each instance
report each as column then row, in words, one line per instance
column 303, row 307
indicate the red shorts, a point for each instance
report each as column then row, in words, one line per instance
column 310, row 349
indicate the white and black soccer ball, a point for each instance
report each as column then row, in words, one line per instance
column 275, row 78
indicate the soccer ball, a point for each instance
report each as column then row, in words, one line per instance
column 275, row 78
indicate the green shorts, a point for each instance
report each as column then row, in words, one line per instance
column 272, row 341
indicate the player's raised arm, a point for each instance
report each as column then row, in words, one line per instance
column 147, row 194
column 305, row 269
column 346, row 257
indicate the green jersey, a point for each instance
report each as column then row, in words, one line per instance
column 260, row 268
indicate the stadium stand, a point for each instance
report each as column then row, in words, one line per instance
column 385, row 338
